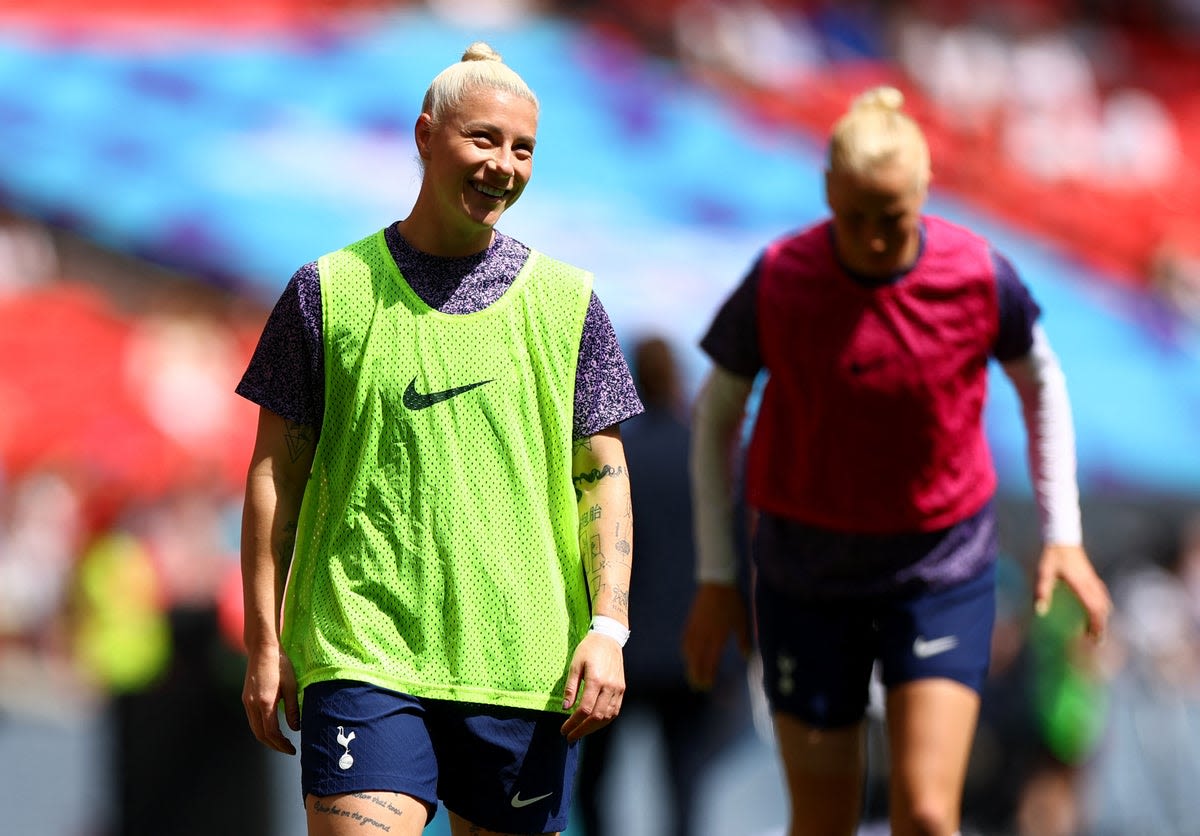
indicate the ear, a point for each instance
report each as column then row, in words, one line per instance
column 423, row 133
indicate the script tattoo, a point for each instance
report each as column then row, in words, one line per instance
column 333, row 809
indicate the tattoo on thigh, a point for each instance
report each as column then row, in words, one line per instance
column 332, row 809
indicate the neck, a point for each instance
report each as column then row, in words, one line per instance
column 435, row 239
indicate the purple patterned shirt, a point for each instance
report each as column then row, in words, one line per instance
column 287, row 372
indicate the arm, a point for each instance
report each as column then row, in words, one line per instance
column 606, row 545
column 279, row 467
column 717, row 610
column 1046, row 410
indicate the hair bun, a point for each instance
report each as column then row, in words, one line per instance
column 481, row 51
column 883, row 97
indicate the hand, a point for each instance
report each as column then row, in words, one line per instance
column 599, row 664
column 1071, row 565
column 270, row 679
column 717, row 612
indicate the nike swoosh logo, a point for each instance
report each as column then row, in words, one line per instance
column 517, row 801
column 924, row 648
column 416, row 400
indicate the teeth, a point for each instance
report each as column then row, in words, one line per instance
column 489, row 191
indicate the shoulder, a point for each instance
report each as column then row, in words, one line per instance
column 944, row 236
column 556, row 270
column 801, row 240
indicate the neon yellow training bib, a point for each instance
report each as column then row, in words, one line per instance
column 437, row 551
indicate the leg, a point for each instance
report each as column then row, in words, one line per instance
column 824, row 772
column 362, row 813
column 367, row 764
column 817, row 660
column 937, row 645
column 931, row 723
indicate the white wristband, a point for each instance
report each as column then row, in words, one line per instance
column 610, row 627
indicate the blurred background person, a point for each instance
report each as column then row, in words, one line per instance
column 871, row 478
column 692, row 728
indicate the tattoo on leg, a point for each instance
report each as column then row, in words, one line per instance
column 334, row 810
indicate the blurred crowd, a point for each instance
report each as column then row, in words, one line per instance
column 122, row 459
column 1079, row 120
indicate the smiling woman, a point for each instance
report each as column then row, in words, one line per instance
column 459, row 574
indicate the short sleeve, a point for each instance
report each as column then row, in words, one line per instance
column 286, row 373
column 732, row 338
column 605, row 394
column 1018, row 312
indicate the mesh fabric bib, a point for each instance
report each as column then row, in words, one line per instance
column 437, row 551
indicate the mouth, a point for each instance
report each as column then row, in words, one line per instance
column 490, row 191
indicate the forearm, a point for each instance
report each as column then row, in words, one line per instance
column 267, row 543
column 717, row 420
column 1046, row 410
column 275, row 486
column 605, row 522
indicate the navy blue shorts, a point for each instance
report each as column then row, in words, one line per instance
column 505, row 769
column 817, row 656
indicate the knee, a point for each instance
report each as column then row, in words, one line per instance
column 928, row 814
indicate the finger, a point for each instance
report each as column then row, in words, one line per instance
column 581, row 724
column 274, row 736
column 1098, row 618
column 291, row 710
column 1044, row 590
column 574, row 675
column 571, row 726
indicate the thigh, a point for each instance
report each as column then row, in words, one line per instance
column 366, row 751
column 824, row 770
column 817, row 657
column 365, row 812
column 503, row 770
column 931, row 724
column 936, row 650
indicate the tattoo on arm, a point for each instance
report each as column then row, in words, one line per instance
column 593, row 476
column 299, row 438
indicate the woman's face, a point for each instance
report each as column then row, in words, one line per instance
column 478, row 160
column 876, row 217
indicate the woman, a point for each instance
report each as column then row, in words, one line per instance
column 439, row 482
column 870, row 478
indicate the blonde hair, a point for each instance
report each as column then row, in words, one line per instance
column 480, row 66
column 875, row 131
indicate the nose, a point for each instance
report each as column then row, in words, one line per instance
column 502, row 161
